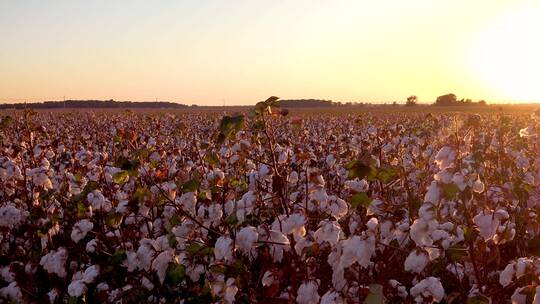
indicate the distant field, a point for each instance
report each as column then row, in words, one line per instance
column 510, row 108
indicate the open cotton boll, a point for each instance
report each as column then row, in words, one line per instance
column 90, row 274
column 12, row 292
column 478, row 186
column 430, row 286
column 357, row 185
column 331, row 297
column 328, row 232
column 433, row 193
column 161, row 263
column 307, row 293
column 421, row 230
column 98, row 201
column 372, row 224
column 276, row 248
column 416, row 261
column 223, row 249
column 356, row 249
column 445, row 157
column 10, row 216
column 55, row 261
column 267, row 279
column 246, row 239
column 444, row 176
column 77, row 288
column 487, row 222
column 80, row 229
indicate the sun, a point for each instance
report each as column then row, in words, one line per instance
column 506, row 55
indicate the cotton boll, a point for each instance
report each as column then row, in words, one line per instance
column 357, row 250
column 98, row 201
column 433, row 194
column 90, row 274
column 230, row 291
column 444, row 176
column 267, row 279
column 357, row 185
column 372, row 224
column 80, row 229
column 10, row 216
column 161, row 263
column 331, row 297
column 194, row 272
column 459, row 180
column 421, row 232
column 328, row 232
column 506, row 276
column 12, row 292
column 223, row 249
column 487, row 223
column 430, row 286
column 445, row 157
column 77, row 288
column 91, row 246
column 478, row 186
column 416, row 261
column 307, row 293
column 146, row 283
column 246, row 238
column 55, row 261
column 337, row 207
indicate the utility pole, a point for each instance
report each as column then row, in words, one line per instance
column 64, row 101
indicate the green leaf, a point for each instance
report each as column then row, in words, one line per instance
column 114, row 219
column 140, row 194
column 118, row 258
column 229, row 126
column 199, row 249
column 272, row 101
column 232, row 219
column 6, row 121
column 258, row 125
column 218, row 269
column 358, row 169
column 81, row 210
column 456, row 254
column 260, row 107
column 361, row 199
column 121, row 177
column 175, row 273
column 450, row 190
column 384, row 175
column 191, row 185
column 478, row 299
column 375, row 295
column 211, row 158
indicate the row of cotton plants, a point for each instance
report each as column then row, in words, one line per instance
column 265, row 206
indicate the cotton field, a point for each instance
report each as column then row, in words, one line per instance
column 269, row 206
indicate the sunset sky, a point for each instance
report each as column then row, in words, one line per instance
column 240, row 52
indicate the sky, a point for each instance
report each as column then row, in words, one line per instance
column 240, row 52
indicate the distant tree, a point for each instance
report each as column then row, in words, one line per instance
column 446, row 100
column 394, row 103
column 482, row 102
column 412, row 101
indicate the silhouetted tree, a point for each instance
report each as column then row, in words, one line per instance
column 412, row 100
column 446, row 100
